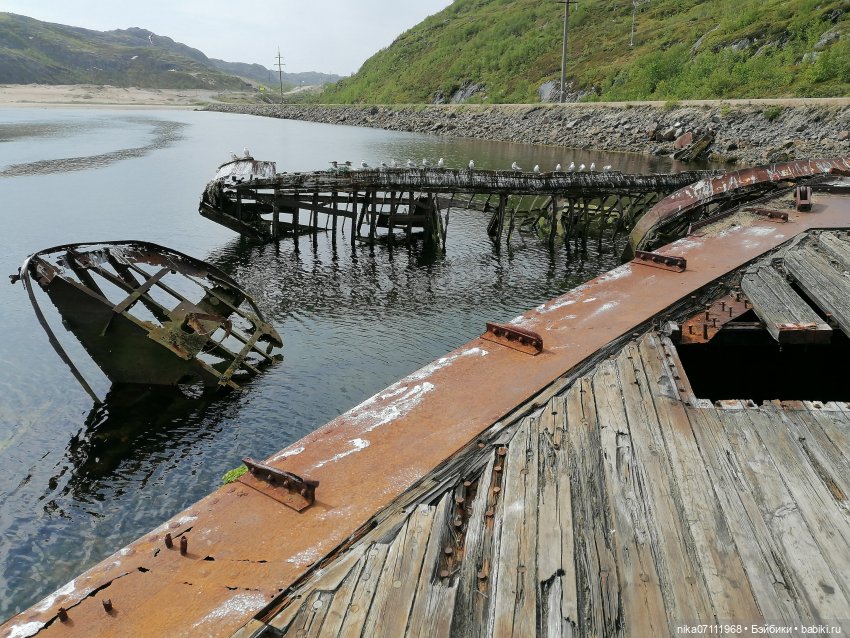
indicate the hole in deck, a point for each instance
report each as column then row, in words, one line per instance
column 748, row 364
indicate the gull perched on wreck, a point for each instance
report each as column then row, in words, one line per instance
column 233, row 156
column 536, row 168
column 384, row 165
column 516, row 167
column 592, row 166
column 581, row 168
column 471, row 165
column 363, row 164
column 246, row 152
column 572, row 166
column 425, row 162
column 557, row 168
column 440, row 163
column 607, row 168
column 410, row 164
column 334, row 163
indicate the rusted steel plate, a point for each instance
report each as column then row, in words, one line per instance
column 370, row 455
column 703, row 327
column 675, row 263
column 705, row 190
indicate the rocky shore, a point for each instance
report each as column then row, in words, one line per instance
column 743, row 134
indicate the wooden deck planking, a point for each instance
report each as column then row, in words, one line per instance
column 709, row 542
column 782, row 310
column 682, row 585
column 619, row 510
column 810, row 575
column 642, row 599
column 828, row 288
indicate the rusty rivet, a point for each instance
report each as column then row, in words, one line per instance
column 448, row 551
column 489, row 513
column 107, row 604
column 482, row 575
column 497, row 468
column 184, row 545
column 168, row 542
column 497, row 489
column 459, row 500
column 63, row 614
column 481, row 444
column 502, row 451
column 444, row 573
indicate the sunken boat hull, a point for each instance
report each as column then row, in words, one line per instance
column 150, row 315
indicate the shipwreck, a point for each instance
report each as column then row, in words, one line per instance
column 150, row 315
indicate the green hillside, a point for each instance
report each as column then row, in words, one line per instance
column 683, row 49
column 38, row 52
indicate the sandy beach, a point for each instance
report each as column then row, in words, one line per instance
column 28, row 95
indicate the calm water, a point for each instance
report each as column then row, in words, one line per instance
column 78, row 482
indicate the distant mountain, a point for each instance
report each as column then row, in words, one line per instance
column 35, row 52
column 510, row 51
column 259, row 73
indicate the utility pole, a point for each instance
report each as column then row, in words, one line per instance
column 566, row 4
column 280, row 73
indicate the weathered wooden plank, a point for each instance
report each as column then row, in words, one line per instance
column 713, row 550
column 809, row 579
column 469, row 605
column 364, row 590
column 597, row 578
column 515, row 566
column 397, row 586
column 339, row 606
column 831, row 464
column 555, row 558
column 640, row 588
column 787, row 317
column 836, row 248
column 434, row 601
column 827, row 521
column 682, row 585
column 828, row 288
column 762, row 557
column 309, row 620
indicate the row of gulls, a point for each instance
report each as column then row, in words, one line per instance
column 441, row 164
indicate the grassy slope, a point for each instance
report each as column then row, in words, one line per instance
column 39, row 52
column 514, row 46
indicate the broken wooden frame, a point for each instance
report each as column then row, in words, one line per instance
column 150, row 315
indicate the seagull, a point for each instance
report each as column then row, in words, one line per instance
column 440, row 163
column 592, row 166
column 384, row 165
column 394, row 164
column 581, row 168
column 536, row 168
column 471, row 164
column 557, row 168
column 246, row 152
column 334, row 163
column 425, row 162
column 607, row 168
column 572, row 166
column 410, row 164
column 515, row 167
column 363, row 164
column 233, row 157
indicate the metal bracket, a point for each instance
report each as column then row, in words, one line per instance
column 771, row 214
column 514, row 337
column 667, row 262
column 284, row 487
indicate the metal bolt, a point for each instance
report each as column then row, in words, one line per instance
column 482, row 575
column 497, row 468
column 705, row 331
column 448, row 551
column 489, row 513
column 497, row 489
column 107, row 604
column 184, row 545
column 723, row 305
column 444, row 573
column 63, row 614
column 168, row 542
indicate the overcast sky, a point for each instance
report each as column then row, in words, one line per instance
column 331, row 36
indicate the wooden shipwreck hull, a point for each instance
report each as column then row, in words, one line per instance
column 150, row 315
column 665, row 447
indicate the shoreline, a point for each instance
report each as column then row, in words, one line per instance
column 745, row 132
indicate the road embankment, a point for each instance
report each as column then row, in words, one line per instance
column 744, row 133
